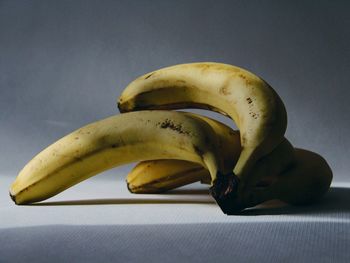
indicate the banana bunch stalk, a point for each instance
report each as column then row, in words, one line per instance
column 243, row 168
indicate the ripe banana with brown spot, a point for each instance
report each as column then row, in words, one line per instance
column 255, row 107
column 117, row 140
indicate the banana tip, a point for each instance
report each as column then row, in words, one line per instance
column 129, row 187
column 119, row 104
column 13, row 197
column 123, row 107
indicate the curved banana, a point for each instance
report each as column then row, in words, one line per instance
column 159, row 176
column 114, row 141
column 254, row 106
column 303, row 181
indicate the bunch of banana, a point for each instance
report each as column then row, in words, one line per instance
column 254, row 106
column 243, row 168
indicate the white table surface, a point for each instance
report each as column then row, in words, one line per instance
column 100, row 221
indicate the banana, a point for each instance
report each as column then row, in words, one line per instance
column 254, row 106
column 117, row 140
column 158, row 176
column 303, row 181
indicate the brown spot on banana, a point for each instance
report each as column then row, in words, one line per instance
column 150, row 75
column 169, row 124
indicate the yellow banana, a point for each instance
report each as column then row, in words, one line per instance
column 114, row 141
column 254, row 106
column 158, row 176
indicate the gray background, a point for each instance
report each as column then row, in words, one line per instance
column 64, row 63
